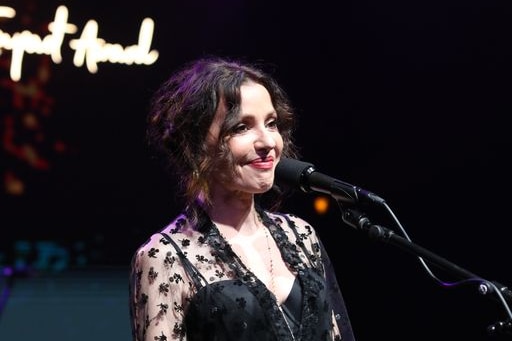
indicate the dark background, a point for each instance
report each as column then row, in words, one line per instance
column 408, row 99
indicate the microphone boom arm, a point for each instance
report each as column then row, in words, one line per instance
column 361, row 222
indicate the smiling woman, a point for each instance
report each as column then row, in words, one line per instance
column 230, row 266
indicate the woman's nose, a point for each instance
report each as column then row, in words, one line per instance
column 265, row 139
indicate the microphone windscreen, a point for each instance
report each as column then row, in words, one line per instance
column 289, row 172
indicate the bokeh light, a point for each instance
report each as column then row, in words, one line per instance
column 321, row 204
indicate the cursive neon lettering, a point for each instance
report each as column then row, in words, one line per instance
column 89, row 48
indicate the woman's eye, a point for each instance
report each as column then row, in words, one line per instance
column 272, row 124
column 240, row 128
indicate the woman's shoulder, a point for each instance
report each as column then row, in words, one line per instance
column 296, row 229
column 177, row 229
column 292, row 219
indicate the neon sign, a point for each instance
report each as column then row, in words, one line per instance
column 89, row 48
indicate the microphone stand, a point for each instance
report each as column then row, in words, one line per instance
column 360, row 222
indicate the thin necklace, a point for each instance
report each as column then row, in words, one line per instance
column 271, row 260
column 272, row 282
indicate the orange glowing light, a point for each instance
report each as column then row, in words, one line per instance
column 321, row 205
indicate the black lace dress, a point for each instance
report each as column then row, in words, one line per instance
column 188, row 284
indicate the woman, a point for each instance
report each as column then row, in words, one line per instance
column 230, row 266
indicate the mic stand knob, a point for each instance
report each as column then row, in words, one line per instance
column 360, row 222
column 500, row 327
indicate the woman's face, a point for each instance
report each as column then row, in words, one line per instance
column 255, row 143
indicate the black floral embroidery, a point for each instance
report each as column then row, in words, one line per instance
column 163, row 308
column 309, row 229
column 178, row 330
column 241, row 302
column 152, row 252
column 201, row 258
column 163, row 288
column 137, row 279
column 178, row 307
column 162, row 337
column 303, row 236
column 176, row 278
column 143, row 300
column 169, row 260
column 152, row 275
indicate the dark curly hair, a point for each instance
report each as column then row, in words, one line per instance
column 182, row 110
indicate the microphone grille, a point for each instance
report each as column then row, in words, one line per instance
column 289, row 172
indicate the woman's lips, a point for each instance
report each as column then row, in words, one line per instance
column 262, row 164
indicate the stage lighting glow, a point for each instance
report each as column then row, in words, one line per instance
column 321, row 205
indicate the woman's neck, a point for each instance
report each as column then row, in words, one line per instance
column 234, row 215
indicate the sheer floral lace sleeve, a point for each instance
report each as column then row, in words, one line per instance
column 157, row 287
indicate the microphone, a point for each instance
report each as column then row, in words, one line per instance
column 303, row 175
